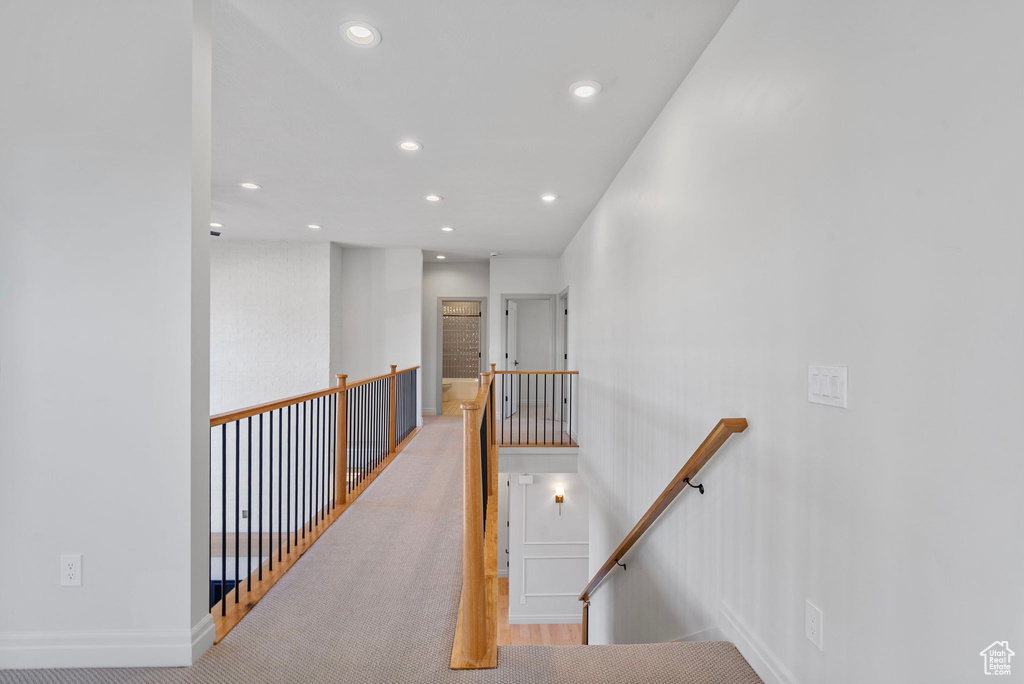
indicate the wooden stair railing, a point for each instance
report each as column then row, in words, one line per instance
column 707, row 449
column 334, row 441
column 476, row 634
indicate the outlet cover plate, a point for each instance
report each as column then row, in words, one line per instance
column 813, row 624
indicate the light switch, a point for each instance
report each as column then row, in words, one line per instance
column 827, row 385
column 526, row 479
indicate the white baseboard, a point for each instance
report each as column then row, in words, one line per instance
column 765, row 663
column 429, row 411
column 106, row 648
column 712, row 634
column 203, row 636
column 501, row 573
column 546, row 620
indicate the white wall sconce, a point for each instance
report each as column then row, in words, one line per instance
column 559, row 496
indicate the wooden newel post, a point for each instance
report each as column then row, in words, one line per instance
column 394, row 403
column 586, row 623
column 341, row 447
column 474, row 618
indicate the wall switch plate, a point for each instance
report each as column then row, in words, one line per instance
column 827, row 385
column 813, row 624
column 522, row 598
column 71, row 570
column 526, row 480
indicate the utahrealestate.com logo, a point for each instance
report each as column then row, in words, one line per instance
column 997, row 658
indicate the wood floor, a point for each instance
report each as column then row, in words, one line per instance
column 532, row 635
column 531, row 425
column 451, row 408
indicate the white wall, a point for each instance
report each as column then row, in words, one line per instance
column 381, row 310
column 271, row 321
column 516, row 276
column 445, row 280
column 547, row 551
column 833, row 183
column 104, row 279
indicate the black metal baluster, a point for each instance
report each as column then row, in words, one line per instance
column 332, row 437
column 519, row 409
column 504, row 405
column 305, row 445
column 280, row 472
column 361, row 433
column 259, row 560
column 325, row 430
column 545, row 407
column 570, row 409
column 561, row 413
column 224, row 519
column 237, row 495
column 288, row 489
column 248, row 510
column 350, row 427
column 270, row 493
column 528, row 413
column 315, row 467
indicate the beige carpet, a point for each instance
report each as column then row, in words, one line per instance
column 376, row 601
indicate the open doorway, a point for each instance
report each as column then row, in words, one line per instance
column 528, row 344
column 461, row 333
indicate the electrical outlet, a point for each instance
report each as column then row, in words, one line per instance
column 813, row 623
column 522, row 598
column 71, row 570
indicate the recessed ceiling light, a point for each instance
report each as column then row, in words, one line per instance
column 360, row 33
column 447, row 229
column 549, row 197
column 410, row 146
column 495, row 254
column 249, row 186
column 585, row 89
column 313, row 226
column 216, row 225
column 433, row 198
column 440, row 256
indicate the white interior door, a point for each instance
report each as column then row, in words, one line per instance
column 510, row 389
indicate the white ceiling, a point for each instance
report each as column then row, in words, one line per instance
column 483, row 84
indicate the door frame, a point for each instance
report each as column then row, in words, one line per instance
column 439, row 360
column 553, row 299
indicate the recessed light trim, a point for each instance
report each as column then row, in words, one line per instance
column 440, row 256
column 249, row 186
column 433, row 198
column 549, row 197
column 447, row 229
column 585, row 89
column 313, row 226
column 411, row 145
column 216, row 225
column 360, row 33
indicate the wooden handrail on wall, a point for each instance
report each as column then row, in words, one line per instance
column 707, row 449
column 347, row 483
column 476, row 634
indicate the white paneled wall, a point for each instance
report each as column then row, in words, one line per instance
column 831, row 184
column 547, row 550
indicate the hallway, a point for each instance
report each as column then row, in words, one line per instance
column 376, row 599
